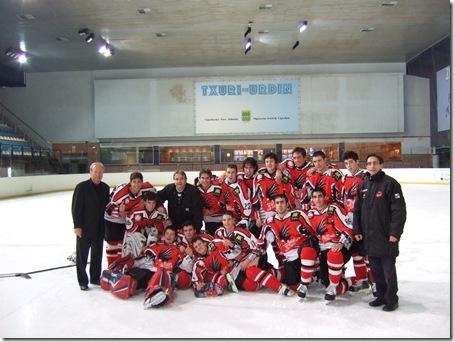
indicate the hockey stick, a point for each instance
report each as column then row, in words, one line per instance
column 27, row 274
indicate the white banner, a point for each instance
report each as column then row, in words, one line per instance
column 444, row 99
column 247, row 107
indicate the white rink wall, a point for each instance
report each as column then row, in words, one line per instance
column 19, row 186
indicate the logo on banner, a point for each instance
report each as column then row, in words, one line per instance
column 246, row 115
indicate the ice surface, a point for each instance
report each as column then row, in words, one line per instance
column 36, row 233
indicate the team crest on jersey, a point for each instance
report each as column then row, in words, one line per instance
column 379, row 194
column 211, row 246
column 397, row 196
column 285, row 179
column 217, row 192
column 127, row 201
column 236, row 191
column 295, row 216
column 137, row 217
column 159, row 217
column 310, row 214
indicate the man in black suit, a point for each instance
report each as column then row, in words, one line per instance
column 89, row 201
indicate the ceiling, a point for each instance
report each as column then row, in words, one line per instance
column 210, row 32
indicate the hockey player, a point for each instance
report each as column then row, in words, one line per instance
column 330, row 179
column 236, row 196
column 144, row 225
column 266, row 187
column 157, row 271
column 334, row 234
column 294, row 236
column 297, row 167
column 212, row 201
column 247, row 176
column 122, row 199
column 214, row 270
column 351, row 181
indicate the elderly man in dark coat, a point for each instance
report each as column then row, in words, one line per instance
column 89, row 201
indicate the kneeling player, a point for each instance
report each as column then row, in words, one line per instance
column 156, row 271
column 335, row 238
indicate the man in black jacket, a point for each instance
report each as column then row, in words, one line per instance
column 378, row 222
column 184, row 201
column 89, row 201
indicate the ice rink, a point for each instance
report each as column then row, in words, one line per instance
column 36, row 233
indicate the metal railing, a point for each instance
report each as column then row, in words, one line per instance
column 22, row 129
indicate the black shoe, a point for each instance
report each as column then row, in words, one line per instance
column 376, row 302
column 84, row 287
column 95, row 282
column 391, row 307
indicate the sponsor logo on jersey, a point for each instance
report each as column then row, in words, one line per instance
column 239, row 238
column 379, row 194
column 397, row 196
column 337, row 175
column 295, row 216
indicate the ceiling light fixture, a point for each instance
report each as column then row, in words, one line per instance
column 367, row 29
column 247, row 45
column 249, row 28
column 106, row 49
column 19, row 55
column 389, row 4
column 90, row 37
column 84, row 32
column 265, row 7
column 144, row 10
column 302, row 25
column 295, row 45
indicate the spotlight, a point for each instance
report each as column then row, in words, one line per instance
column 106, row 50
column 249, row 28
column 302, row 25
column 19, row 55
column 22, row 58
column 102, row 49
column 90, row 37
column 84, row 32
column 247, row 45
column 295, row 45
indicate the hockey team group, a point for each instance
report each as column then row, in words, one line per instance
column 214, row 235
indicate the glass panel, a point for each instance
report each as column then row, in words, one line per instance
column 146, row 155
column 186, row 154
column 119, row 156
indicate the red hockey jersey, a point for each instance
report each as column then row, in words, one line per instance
column 330, row 181
column 139, row 219
column 122, row 195
column 289, row 232
column 266, row 187
column 350, row 189
column 331, row 226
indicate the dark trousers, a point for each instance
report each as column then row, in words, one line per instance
column 384, row 271
column 83, row 246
